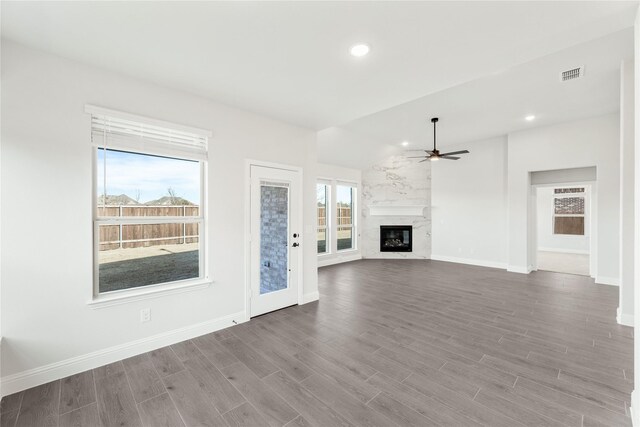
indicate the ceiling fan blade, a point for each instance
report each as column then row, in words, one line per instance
column 423, row 160
column 418, row 157
column 449, row 157
column 455, row 152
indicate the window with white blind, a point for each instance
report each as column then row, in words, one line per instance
column 149, row 210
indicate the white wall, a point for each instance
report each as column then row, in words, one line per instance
column 627, row 175
column 49, row 330
column 635, row 395
column 546, row 240
column 469, row 206
column 482, row 202
column 582, row 143
column 342, row 147
column 332, row 175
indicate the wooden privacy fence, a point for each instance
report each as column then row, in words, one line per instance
column 143, row 235
column 142, row 210
column 344, row 216
column 322, row 216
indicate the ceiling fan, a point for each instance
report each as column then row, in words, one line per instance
column 434, row 154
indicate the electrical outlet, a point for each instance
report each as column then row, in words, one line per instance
column 145, row 315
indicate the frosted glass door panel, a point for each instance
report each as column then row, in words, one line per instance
column 274, row 233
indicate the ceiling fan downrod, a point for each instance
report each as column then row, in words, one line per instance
column 434, row 120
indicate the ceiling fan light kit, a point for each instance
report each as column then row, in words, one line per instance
column 435, row 155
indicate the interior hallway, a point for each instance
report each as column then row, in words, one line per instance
column 563, row 262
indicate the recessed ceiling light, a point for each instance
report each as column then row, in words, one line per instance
column 405, row 143
column 530, row 118
column 359, row 50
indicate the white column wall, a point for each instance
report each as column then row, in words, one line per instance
column 635, row 396
column 627, row 176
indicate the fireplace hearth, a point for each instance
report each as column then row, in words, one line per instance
column 396, row 238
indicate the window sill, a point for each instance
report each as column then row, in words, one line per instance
column 126, row 297
column 325, row 254
column 346, row 251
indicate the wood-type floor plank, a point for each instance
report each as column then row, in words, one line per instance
column 159, row 411
column 214, row 385
column 192, row 404
column 143, row 377
column 87, row 416
column 40, row 406
column 274, row 409
column 116, row 405
column 244, row 415
column 391, row 342
column 77, row 391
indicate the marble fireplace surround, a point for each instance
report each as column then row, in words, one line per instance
column 396, row 191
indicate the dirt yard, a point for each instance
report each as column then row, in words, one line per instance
column 130, row 268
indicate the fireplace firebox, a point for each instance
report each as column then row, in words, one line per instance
column 396, row 238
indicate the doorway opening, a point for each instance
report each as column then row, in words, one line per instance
column 563, row 218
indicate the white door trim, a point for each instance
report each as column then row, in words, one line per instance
column 247, row 227
column 590, row 222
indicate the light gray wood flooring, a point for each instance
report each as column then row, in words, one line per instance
column 415, row 343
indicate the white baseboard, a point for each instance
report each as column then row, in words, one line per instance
column 565, row 251
column 325, row 260
column 603, row 280
column 518, row 269
column 44, row 374
column 635, row 408
column 470, row 261
column 310, row 297
column 624, row 319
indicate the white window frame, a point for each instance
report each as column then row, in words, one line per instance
column 354, row 216
column 554, row 215
column 328, row 216
column 182, row 152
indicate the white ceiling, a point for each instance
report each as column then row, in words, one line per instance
column 290, row 61
column 491, row 106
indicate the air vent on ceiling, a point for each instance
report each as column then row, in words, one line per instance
column 572, row 74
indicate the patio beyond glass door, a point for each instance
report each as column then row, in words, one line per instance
column 275, row 239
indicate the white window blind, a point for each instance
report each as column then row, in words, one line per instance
column 118, row 130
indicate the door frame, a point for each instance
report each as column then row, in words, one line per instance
column 247, row 227
column 591, row 198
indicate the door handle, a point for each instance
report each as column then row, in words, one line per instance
column 295, row 245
